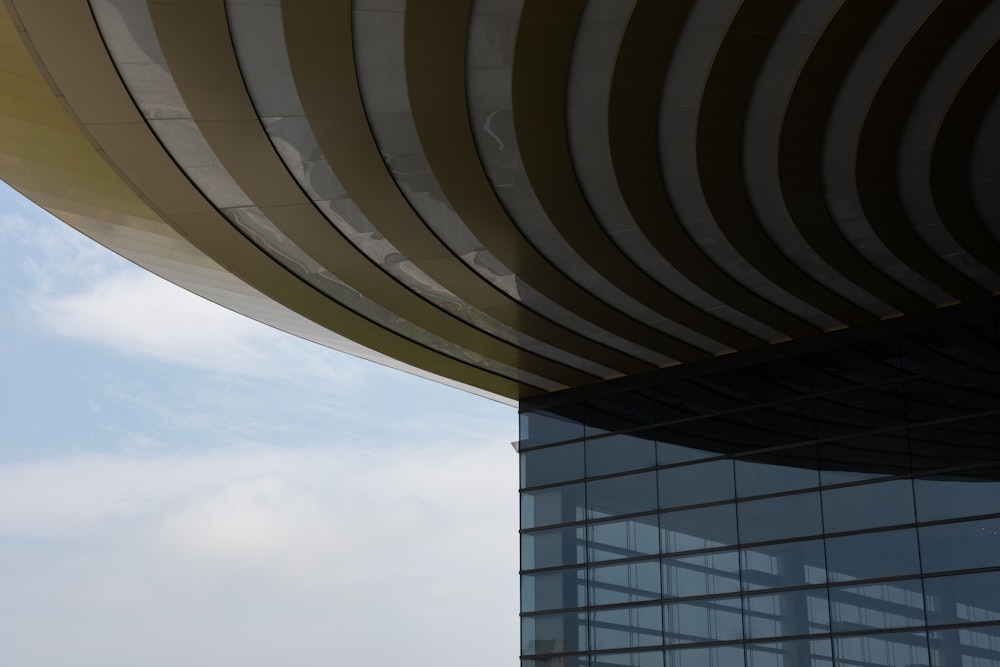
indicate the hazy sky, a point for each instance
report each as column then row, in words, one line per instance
column 182, row 486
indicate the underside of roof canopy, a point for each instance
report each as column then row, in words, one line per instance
column 520, row 197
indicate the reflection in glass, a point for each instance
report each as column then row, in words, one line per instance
column 873, row 555
column 561, row 661
column 769, row 381
column 955, row 443
column 773, row 426
column 633, row 659
column 625, row 582
column 961, row 494
column 864, row 409
column 541, row 428
column 554, row 633
column 702, row 620
column 551, row 548
column 561, row 589
column 697, row 483
column 861, row 363
column 780, row 518
column 785, row 564
column 865, row 457
column 619, row 453
column 627, row 627
column 964, row 598
column 785, row 470
column 623, row 538
column 621, row 495
column 960, row 546
column 898, row 649
column 702, row 528
column 704, row 656
column 668, row 453
column 949, row 345
column 619, row 412
column 559, row 504
column 953, row 394
column 791, row 653
column 701, row 574
column 972, row 647
column 868, row 506
column 802, row 612
column 895, row 604
column 552, row 465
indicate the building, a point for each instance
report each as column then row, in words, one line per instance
column 736, row 261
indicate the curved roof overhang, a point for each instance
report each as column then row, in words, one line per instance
column 524, row 197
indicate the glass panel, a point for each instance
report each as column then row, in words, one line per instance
column 552, row 465
column 966, row 647
column 701, row 574
column 561, row 661
column 955, row 443
column 708, row 434
column 864, row 409
column 619, row 412
column 780, row 518
column 773, row 426
column 898, row 649
column 707, row 656
column 697, row 483
column 949, row 345
column 873, row 555
column 681, row 399
column 624, row 538
column 964, row 598
column 703, row 528
column 958, row 495
column 634, row 659
column 628, row 494
column 868, row 506
column 542, row 427
column 702, row 621
column 667, row 453
column 619, row 453
column 864, row 457
column 560, row 504
column 803, row 612
column 629, row 627
column 953, row 394
column 960, row 546
column 553, row 633
column 768, row 381
column 552, row 548
column 786, row 564
column 894, row 604
column 861, row 363
column 793, row 653
column 627, row 582
column 776, row 472
column 562, row 589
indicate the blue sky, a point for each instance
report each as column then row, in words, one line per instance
column 181, row 485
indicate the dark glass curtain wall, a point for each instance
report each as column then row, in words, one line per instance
column 833, row 502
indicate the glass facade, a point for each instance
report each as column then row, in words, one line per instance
column 833, row 502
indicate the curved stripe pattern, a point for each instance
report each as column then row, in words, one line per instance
column 527, row 196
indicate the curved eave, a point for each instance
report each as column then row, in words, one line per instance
column 46, row 157
column 525, row 197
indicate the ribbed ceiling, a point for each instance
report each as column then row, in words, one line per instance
column 523, row 197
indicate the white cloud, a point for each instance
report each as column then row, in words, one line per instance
column 245, row 556
column 140, row 314
column 77, row 289
column 194, row 549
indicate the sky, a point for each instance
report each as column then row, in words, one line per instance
column 180, row 485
